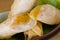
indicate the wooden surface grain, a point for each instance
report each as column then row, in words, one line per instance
column 6, row 4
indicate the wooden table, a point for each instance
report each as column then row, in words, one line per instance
column 6, row 4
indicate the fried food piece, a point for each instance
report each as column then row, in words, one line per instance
column 21, row 6
column 16, row 24
column 46, row 14
column 36, row 31
column 35, row 12
column 18, row 21
column 23, row 22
